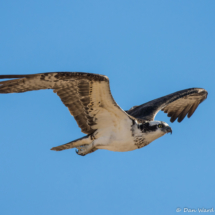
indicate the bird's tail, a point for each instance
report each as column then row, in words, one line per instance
column 81, row 141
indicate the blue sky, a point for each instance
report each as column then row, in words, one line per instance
column 147, row 49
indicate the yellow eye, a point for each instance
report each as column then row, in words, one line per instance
column 160, row 126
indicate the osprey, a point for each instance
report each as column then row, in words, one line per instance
column 107, row 126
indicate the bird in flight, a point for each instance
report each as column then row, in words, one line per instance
column 89, row 100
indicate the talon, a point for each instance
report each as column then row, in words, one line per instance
column 79, row 152
column 83, row 149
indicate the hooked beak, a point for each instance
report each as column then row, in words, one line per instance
column 168, row 129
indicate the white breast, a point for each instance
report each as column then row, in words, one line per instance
column 124, row 137
column 117, row 138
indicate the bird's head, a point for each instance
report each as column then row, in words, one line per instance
column 160, row 126
column 156, row 127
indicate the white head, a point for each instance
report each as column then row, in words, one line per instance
column 154, row 129
column 159, row 126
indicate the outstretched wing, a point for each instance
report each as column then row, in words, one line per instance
column 176, row 105
column 86, row 95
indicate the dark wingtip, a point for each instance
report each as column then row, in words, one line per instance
column 180, row 120
column 173, row 118
column 11, row 76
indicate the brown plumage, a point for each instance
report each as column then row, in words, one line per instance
column 176, row 105
column 84, row 94
column 89, row 100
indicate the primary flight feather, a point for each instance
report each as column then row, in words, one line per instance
column 107, row 126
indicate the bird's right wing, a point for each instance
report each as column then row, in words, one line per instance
column 176, row 105
column 86, row 95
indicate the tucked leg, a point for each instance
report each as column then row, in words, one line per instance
column 85, row 149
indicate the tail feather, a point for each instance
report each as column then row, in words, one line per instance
column 81, row 141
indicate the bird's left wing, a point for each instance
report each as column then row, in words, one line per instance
column 86, row 95
column 176, row 105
